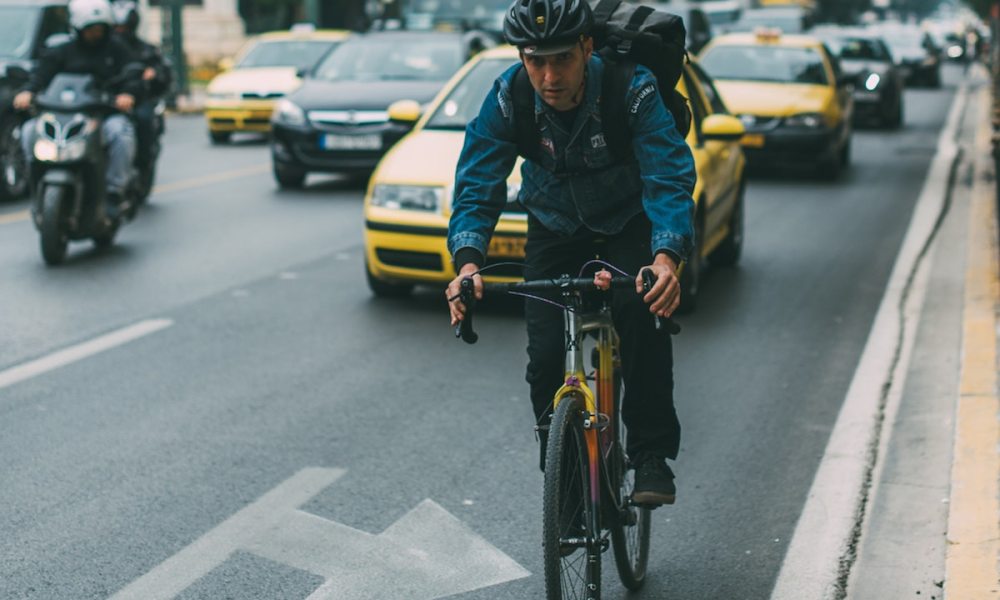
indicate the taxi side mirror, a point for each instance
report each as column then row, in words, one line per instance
column 226, row 64
column 722, row 128
column 405, row 111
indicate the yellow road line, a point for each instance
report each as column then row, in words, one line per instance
column 973, row 526
column 177, row 186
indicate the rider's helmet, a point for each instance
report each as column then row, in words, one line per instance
column 85, row 13
column 126, row 14
column 539, row 27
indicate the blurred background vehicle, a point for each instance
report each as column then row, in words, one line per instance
column 339, row 120
column 408, row 203
column 787, row 19
column 913, row 51
column 269, row 67
column 791, row 95
column 878, row 84
column 25, row 27
column 696, row 21
column 456, row 15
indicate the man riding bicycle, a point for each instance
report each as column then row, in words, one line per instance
column 580, row 197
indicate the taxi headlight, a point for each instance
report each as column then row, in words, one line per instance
column 872, row 82
column 408, row 197
column 289, row 113
column 807, row 120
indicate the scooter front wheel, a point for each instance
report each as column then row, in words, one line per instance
column 54, row 240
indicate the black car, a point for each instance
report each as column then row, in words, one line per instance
column 914, row 52
column 878, row 83
column 24, row 28
column 338, row 120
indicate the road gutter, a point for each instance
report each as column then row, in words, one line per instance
column 971, row 569
column 824, row 545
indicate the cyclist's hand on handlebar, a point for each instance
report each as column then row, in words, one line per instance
column 602, row 280
column 22, row 101
column 124, row 102
column 665, row 295
column 455, row 306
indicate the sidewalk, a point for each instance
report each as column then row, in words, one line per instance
column 931, row 527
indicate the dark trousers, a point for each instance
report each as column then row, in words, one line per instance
column 647, row 356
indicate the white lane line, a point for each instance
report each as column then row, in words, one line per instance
column 81, row 351
column 821, row 547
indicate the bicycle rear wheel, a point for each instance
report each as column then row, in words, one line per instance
column 572, row 569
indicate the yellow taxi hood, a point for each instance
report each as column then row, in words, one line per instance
column 259, row 79
column 773, row 99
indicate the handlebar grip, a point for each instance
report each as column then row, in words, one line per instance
column 464, row 328
column 662, row 324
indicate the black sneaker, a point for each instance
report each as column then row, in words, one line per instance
column 654, row 483
column 113, row 205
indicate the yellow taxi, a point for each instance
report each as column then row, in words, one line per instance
column 408, row 202
column 267, row 68
column 789, row 92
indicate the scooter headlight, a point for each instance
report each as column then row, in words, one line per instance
column 73, row 150
column 46, row 150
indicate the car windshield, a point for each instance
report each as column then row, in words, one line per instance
column 301, row 54
column 425, row 14
column 17, row 23
column 857, row 49
column 786, row 22
column 386, row 58
column 765, row 63
column 464, row 101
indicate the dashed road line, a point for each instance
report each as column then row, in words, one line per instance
column 81, row 351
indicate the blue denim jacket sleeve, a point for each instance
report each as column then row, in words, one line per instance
column 487, row 159
column 666, row 166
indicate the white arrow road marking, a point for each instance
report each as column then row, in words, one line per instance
column 426, row 554
column 81, row 351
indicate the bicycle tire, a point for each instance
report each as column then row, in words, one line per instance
column 630, row 528
column 569, row 573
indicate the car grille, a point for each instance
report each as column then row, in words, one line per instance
column 350, row 118
column 262, row 95
column 410, row 260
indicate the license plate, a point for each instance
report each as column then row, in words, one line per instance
column 332, row 141
column 753, row 140
column 867, row 96
column 507, row 247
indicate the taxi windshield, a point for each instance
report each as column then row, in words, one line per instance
column 427, row 14
column 765, row 63
column 17, row 23
column 301, row 54
column 464, row 101
column 385, row 58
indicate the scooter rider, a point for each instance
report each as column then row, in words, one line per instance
column 157, row 76
column 93, row 51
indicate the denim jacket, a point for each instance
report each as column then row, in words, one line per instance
column 598, row 192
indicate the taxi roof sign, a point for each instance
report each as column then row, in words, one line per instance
column 767, row 34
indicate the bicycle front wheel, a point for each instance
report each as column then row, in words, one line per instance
column 630, row 535
column 572, row 566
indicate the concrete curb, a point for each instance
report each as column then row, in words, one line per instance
column 973, row 528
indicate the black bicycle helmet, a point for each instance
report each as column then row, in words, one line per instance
column 543, row 24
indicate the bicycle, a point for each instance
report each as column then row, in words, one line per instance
column 588, row 484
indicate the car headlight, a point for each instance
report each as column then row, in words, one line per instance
column 289, row 113
column 808, row 120
column 46, row 150
column 408, row 197
column 872, row 82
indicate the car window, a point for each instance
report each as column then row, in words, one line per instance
column 708, row 88
column 861, row 49
column 784, row 64
column 301, row 54
column 385, row 58
column 464, row 101
column 17, row 26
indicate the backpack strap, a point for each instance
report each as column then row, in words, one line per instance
column 614, row 114
column 604, row 10
column 525, row 125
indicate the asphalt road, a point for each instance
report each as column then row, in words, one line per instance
column 278, row 359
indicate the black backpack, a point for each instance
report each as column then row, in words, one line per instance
column 625, row 35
